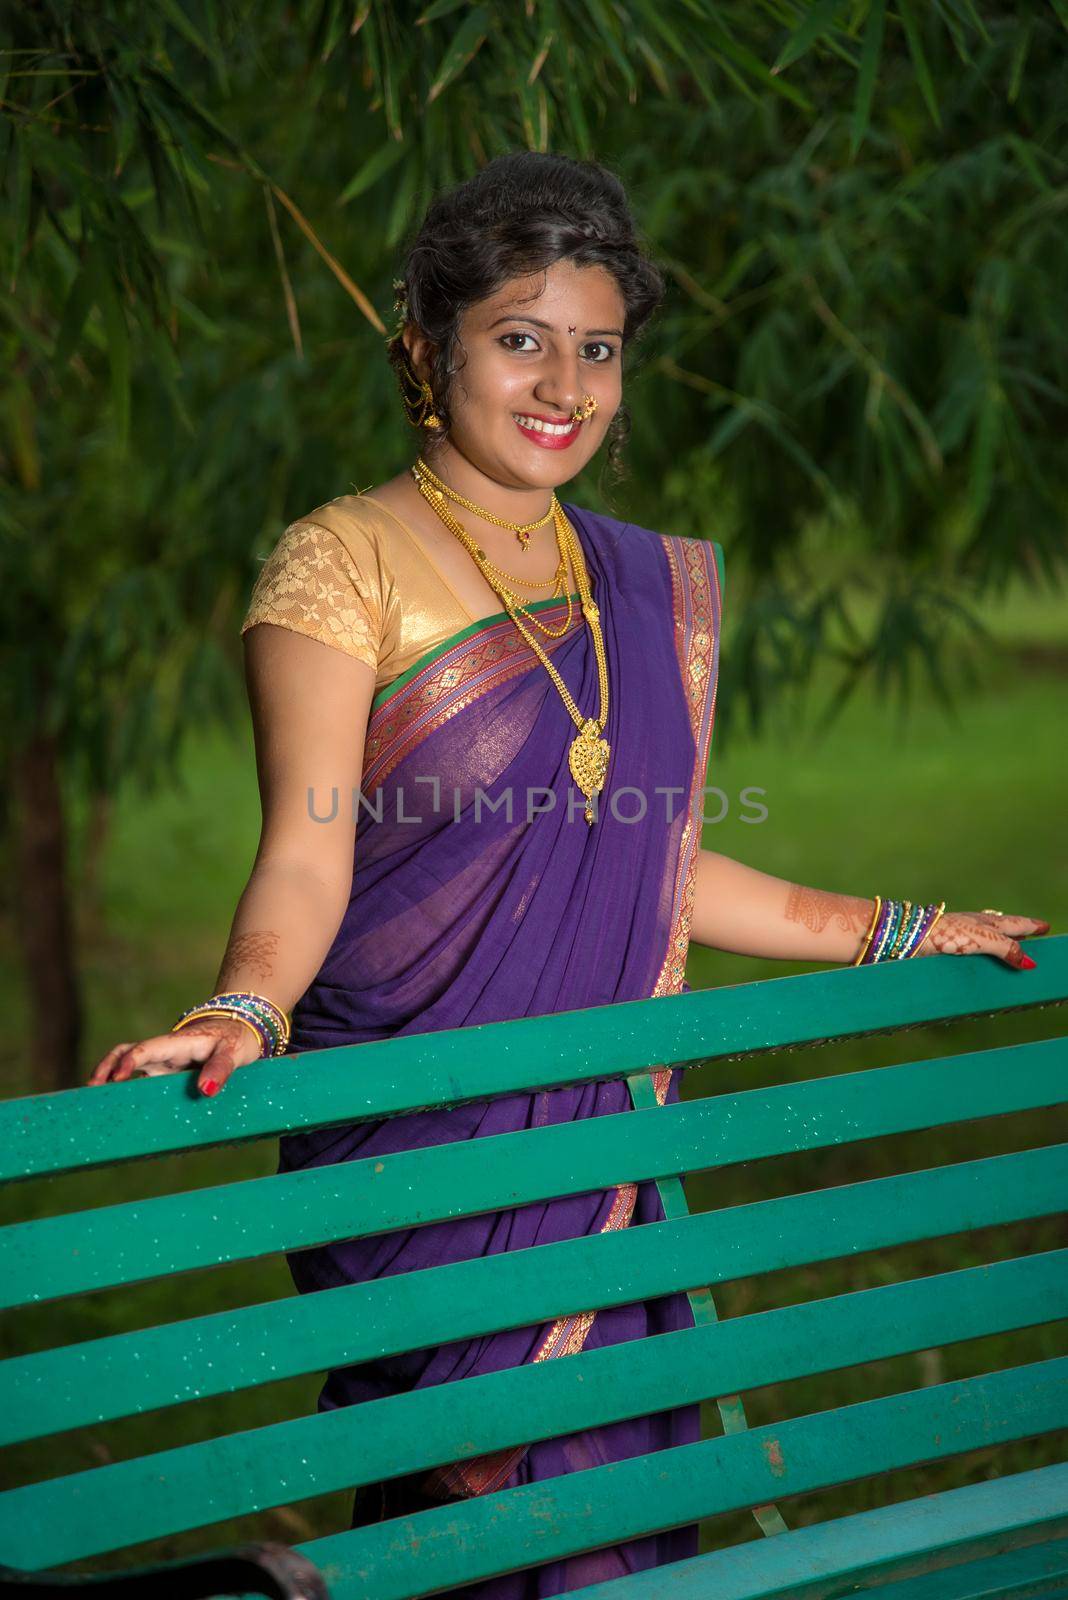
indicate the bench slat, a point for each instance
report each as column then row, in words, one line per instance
column 227, row 1351
column 1037, row 1572
column 75, row 1129
column 105, row 1508
column 957, row 1526
column 138, row 1240
column 534, row 1523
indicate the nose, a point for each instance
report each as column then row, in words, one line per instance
column 560, row 386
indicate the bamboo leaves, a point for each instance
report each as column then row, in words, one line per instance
column 860, row 207
column 464, row 45
column 871, row 50
column 376, row 166
column 819, row 20
column 906, row 12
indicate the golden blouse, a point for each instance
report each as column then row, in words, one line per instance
column 352, row 575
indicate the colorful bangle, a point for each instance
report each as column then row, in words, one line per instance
column 259, row 1005
column 898, row 930
column 887, row 933
column 911, row 917
column 268, row 1021
column 937, row 912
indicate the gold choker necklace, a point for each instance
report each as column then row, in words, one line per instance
column 522, row 530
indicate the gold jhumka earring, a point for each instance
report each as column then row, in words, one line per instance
column 416, row 394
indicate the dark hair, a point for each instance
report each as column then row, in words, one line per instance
column 521, row 213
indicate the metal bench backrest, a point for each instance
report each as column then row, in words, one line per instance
column 111, row 1507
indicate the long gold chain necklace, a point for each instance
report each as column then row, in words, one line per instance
column 588, row 753
column 503, row 581
column 522, row 530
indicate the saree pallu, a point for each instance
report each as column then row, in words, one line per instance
column 466, row 910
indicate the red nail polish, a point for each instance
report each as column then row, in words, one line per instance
column 1026, row 961
column 209, row 1086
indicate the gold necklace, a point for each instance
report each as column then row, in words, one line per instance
column 555, row 583
column 426, row 481
column 499, row 580
column 522, row 530
column 588, row 753
column 513, row 601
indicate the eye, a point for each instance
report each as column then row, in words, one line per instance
column 599, row 344
column 518, row 334
column 609, row 352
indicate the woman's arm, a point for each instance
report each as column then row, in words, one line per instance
column 751, row 913
column 310, row 706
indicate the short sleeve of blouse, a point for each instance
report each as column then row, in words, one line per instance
column 328, row 588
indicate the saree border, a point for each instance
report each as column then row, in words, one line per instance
column 473, row 662
column 698, row 607
column 696, row 597
column 383, row 695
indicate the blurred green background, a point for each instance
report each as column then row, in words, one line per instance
column 857, row 385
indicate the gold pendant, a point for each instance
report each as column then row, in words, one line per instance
column 588, row 760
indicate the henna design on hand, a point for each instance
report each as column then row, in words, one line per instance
column 963, row 933
column 253, row 951
column 814, row 908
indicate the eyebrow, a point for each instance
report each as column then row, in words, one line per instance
column 517, row 316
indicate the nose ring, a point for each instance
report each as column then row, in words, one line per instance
column 585, row 410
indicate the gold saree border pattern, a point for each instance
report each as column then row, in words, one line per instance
column 443, row 688
column 697, row 608
column 567, row 1335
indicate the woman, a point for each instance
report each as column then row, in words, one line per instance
column 521, row 696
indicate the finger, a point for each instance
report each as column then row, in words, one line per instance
column 102, row 1071
column 1013, row 956
column 965, row 933
column 217, row 1068
column 166, row 1052
column 134, row 1057
column 1017, row 927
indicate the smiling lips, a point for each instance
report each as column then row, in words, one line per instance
column 550, row 435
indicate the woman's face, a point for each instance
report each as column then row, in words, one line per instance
column 532, row 352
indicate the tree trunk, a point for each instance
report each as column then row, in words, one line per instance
column 43, row 921
column 95, row 841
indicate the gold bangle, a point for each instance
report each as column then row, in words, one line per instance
column 262, row 1009
column 231, row 1016
column 871, row 930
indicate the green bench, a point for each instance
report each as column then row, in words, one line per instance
column 1002, row 1535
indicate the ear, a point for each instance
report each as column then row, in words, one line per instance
column 420, row 350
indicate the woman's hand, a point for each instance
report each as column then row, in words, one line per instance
column 215, row 1046
column 989, row 933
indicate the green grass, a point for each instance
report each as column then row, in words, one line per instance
column 969, row 809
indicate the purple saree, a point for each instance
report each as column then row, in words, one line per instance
column 466, row 910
